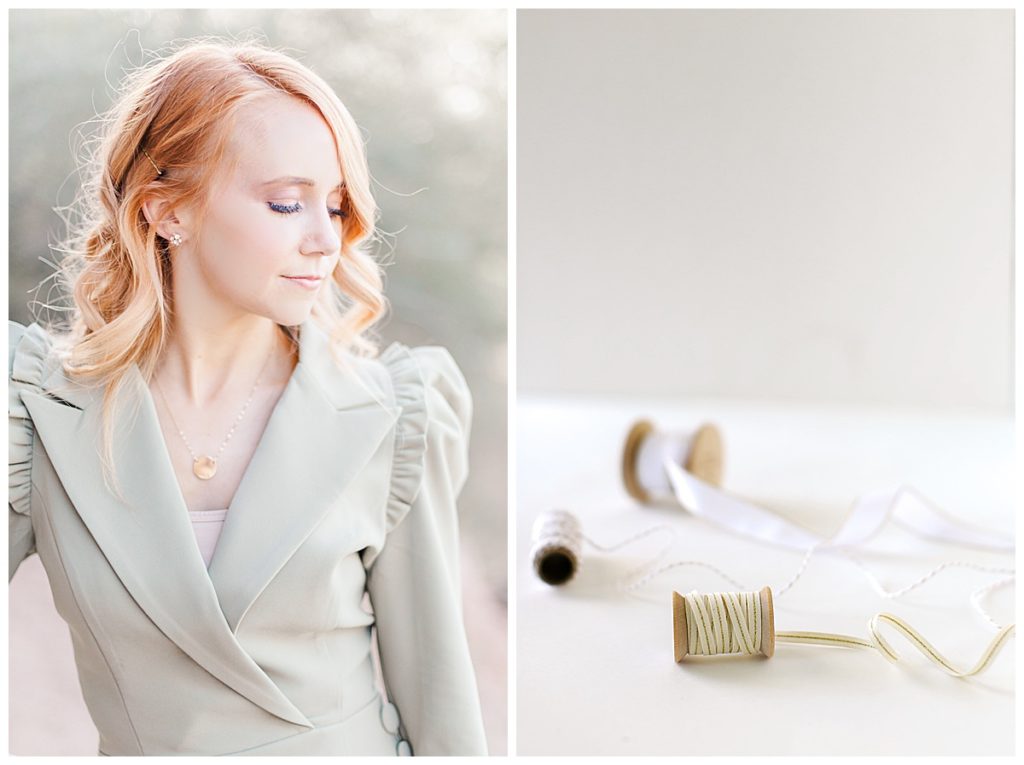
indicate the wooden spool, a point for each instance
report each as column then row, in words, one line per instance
column 705, row 459
column 680, row 639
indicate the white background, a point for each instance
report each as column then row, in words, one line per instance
column 805, row 205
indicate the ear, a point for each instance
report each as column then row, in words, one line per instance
column 163, row 217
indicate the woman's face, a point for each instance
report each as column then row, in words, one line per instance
column 271, row 216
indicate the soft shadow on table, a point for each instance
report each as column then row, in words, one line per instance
column 600, row 577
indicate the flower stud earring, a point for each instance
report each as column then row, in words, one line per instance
column 176, row 239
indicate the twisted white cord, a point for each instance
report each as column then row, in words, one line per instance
column 561, row 530
column 678, row 564
column 661, row 527
column 975, row 600
column 981, row 592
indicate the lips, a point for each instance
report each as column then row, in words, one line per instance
column 311, row 281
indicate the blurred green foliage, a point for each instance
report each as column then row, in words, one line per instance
column 428, row 88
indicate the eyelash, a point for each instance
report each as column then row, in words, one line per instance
column 294, row 208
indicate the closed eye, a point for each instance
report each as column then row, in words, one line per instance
column 297, row 206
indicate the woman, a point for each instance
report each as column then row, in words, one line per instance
column 217, row 371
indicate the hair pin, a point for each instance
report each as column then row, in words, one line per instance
column 156, row 167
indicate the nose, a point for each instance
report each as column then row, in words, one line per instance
column 323, row 236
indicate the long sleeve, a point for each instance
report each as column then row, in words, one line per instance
column 413, row 580
column 24, row 368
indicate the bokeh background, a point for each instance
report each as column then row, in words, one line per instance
column 428, row 88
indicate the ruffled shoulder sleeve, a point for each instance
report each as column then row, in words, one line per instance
column 413, row 579
column 436, row 406
column 28, row 349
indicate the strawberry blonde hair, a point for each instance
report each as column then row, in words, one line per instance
column 176, row 115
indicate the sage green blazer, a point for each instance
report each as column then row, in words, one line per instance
column 352, row 490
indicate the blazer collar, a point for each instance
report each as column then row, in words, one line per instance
column 343, row 387
column 327, row 424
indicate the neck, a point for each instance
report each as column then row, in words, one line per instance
column 204, row 360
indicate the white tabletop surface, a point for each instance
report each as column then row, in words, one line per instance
column 595, row 668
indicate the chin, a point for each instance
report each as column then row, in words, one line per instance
column 290, row 316
column 293, row 318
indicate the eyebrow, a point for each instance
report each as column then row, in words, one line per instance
column 294, row 180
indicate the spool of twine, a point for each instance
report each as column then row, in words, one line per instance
column 557, row 544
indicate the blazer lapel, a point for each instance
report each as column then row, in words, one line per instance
column 316, row 439
column 325, row 428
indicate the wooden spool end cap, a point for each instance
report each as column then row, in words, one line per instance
column 640, row 430
column 767, row 623
column 705, row 459
column 679, row 639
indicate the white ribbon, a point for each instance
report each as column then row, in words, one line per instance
column 659, row 469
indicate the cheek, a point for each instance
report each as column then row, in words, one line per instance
column 248, row 248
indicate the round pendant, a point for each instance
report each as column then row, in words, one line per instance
column 204, row 467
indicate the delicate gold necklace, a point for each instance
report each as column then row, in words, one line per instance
column 205, row 467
